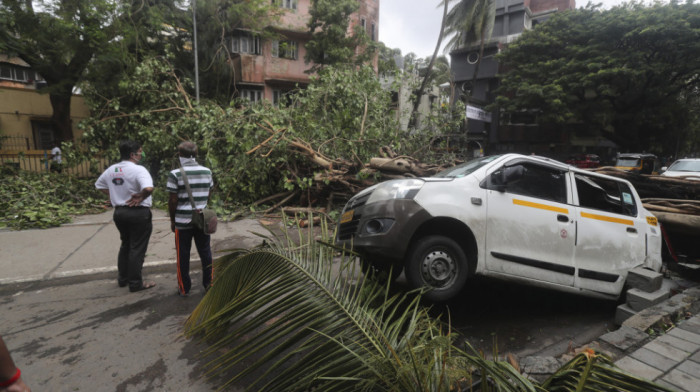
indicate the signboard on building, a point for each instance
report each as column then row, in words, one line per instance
column 476, row 113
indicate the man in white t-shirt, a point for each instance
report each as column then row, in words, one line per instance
column 129, row 187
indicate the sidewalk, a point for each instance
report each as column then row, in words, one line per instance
column 660, row 343
column 90, row 245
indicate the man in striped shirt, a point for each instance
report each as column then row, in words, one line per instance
column 180, row 208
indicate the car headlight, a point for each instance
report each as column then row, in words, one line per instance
column 396, row 189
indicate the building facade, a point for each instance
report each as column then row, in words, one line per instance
column 517, row 133
column 25, row 113
column 268, row 69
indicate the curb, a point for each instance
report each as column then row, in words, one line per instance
column 70, row 277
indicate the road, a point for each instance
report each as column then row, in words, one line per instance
column 89, row 335
column 527, row 321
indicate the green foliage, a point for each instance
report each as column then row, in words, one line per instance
column 293, row 316
column 346, row 110
column 62, row 39
column 282, row 311
column 217, row 20
column 628, row 73
column 330, row 44
column 343, row 114
column 469, row 21
column 592, row 371
column 30, row 200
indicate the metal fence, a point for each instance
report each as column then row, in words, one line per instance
column 14, row 143
column 39, row 161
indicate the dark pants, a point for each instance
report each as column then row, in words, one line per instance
column 135, row 226
column 183, row 246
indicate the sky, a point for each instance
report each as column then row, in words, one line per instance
column 414, row 25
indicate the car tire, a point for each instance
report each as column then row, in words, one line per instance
column 439, row 264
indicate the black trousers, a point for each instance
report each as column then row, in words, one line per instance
column 183, row 246
column 135, row 226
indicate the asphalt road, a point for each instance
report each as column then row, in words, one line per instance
column 87, row 334
column 91, row 335
column 526, row 321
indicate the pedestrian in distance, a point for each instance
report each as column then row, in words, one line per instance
column 129, row 187
column 56, row 160
column 10, row 375
column 180, row 209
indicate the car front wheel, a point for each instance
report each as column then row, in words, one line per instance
column 438, row 263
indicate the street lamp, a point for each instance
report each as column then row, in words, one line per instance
column 196, row 61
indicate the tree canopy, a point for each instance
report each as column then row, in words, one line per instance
column 58, row 40
column 330, row 42
column 629, row 73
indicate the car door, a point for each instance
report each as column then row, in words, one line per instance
column 529, row 229
column 611, row 233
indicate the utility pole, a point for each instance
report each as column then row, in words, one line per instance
column 196, row 60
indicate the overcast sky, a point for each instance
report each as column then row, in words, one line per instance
column 414, row 25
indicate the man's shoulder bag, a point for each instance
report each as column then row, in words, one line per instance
column 203, row 220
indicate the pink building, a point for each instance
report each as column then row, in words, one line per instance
column 267, row 69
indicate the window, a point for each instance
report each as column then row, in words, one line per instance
column 252, row 95
column 373, row 32
column 532, row 180
column 21, row 75
column 44, row 134
column 285, row 49
column 605, row 195
column 289, row 4
column 363, row 23
column 245, row 43
column 6, row 71
column 18, row 74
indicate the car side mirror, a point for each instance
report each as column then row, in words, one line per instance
column 496, row 181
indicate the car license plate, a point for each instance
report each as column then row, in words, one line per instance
column 347, row 216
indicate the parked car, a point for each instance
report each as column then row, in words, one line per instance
column 515, row 217
column 687, row 167
column 585, row 161
column 640, row 163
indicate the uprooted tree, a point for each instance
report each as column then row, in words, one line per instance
column 318, row 147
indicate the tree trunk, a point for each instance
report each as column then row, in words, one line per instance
column 416, row 101
column 60, row 118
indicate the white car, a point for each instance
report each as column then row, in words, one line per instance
column 516, row 217
column 687, row 167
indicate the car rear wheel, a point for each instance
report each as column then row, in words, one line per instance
column 438, row 263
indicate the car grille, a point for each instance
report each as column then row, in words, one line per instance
column 348, row 229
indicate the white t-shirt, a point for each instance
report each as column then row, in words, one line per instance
column 124, row 179
column 56, row 152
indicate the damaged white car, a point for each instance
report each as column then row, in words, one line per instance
column 516, row 217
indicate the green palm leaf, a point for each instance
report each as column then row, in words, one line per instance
column 592, row 371
column 307, row 319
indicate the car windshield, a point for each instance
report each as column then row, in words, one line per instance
column 687, row 166
column 466, row 168
column 627, row 162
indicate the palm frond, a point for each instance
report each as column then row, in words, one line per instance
column 279, row 306
column 593, row 371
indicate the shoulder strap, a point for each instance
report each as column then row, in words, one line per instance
column 187, row 184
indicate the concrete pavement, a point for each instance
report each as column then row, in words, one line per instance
column 90, row 244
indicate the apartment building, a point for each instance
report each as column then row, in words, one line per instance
column 268, row 69
column 518, row 133
column 25, row 113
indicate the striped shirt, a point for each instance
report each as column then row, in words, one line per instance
column 201, row 182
